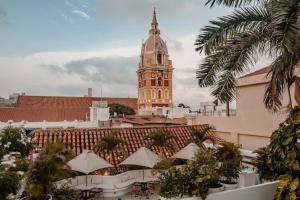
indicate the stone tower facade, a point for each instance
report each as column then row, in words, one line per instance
column 155, row 72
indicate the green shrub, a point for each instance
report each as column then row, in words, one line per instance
column 120, row 109
column 14, row 140
column 64, row 193
column 9, row 183
column 281, row 158
column 170, row 183
column 194, row 179
column 230, row 158
column 21, row 165
column 48, row 168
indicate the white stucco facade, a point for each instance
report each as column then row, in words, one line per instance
column 253, row 124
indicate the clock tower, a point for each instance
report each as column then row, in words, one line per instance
column 155, row 72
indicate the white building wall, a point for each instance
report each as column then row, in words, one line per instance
column 253, row 124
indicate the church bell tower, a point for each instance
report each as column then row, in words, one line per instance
column 155, row 72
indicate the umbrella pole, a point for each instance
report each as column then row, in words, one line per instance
column 86, row 180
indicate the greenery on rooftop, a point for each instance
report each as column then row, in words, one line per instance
column 161, row 139
column 206, row 171
column 281, row 158
column 120, row 109
column 49, row 167
column 199, row 136
column 14, row 148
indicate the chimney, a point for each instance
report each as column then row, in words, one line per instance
column 90, row 92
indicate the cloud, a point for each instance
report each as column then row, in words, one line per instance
column 110, row 70
column 69, row 4
column 3, row 18
column 81, row 14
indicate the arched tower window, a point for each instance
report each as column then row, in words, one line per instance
column 159, row 94
column 166, row 94
column 159, row 81
column 159, row 59
column 153, row 94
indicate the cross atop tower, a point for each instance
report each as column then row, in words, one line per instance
column 154, row 24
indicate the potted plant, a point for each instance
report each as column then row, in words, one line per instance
column 196, row 179
column 230, row 159
column 260, row 162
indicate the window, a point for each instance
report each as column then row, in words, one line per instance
column 153, row 82
column 153, row 94
column 159, row 59
column 166, row 94
column 159, row 94
column 166, row 83
column 159, row 81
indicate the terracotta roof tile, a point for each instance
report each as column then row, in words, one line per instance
column 263, row 70
column 80, row 139
column 52, row 108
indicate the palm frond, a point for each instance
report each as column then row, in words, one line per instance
column 234, row 58
column 202, row 135
column 161, row 138
column 285, row 21
column 281, row 73
column 241, row 20
column 232, row 3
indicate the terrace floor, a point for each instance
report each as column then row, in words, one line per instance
column 132, row 197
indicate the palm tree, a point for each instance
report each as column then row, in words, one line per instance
column 110, row 143
column 161, row 138
column 199, row 136
column 232, row 43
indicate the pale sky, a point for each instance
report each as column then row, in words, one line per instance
column 63, row 47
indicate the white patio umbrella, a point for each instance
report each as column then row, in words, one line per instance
column 142, row 157
column 188, row 152
column 87, row 162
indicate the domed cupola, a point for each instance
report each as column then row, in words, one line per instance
column 154, row 51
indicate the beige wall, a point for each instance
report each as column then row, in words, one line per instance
column 253, row 124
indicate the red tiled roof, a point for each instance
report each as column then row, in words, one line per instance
column 257, row 72
column 153, row 119
column 80, row 139
column 263, row 70
column 54, row 108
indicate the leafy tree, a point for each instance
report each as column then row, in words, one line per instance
column 14, row 140
column 232, row 43
column 183, row 105
column 49, row 167
column 9, row 183
column 199, row 136
column 120, row 109
column 281, row 158
column 161, row 138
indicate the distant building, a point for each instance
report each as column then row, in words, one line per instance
column 57, row 108
column 11, row 101
column 215, row 108
column 155, row 74
column 253, row 124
